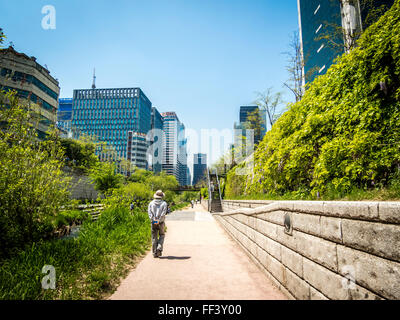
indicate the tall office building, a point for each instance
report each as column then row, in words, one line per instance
column 156, row 140
column 188, row 177
column 244, row 114
column 317, row 17
column 137, row 148
column 174, row 160
column 199, row 167
column 35, row 86
column 64, row 113
column 117, row 116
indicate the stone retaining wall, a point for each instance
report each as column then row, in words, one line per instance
column 330, row 250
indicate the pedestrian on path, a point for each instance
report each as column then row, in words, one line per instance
column 192, row 203
column 157, row 210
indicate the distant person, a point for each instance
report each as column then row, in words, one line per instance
column 157, row 211
column 192, row 203
column 132, row 206
column 168, row 209
column 212, row 189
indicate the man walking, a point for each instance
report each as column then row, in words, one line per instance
column 157, row 210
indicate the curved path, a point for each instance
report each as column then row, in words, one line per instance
column 200, row 262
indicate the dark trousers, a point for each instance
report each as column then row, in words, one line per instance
column 157, row 236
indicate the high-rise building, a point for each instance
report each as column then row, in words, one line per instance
column 199, row 167
column 137, row 148
column 188, row 177
column 156, row 140
column 244, row 114
column 64, row 113
column 174, row 160
column 35, row 86
column 323, row 17
column 110, row 115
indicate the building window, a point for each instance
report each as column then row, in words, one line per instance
column 316, row 10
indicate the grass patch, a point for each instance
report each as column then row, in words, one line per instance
column 87, row 267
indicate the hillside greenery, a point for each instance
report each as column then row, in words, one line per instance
column 343, row 136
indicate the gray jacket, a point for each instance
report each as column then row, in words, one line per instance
column 157, row 210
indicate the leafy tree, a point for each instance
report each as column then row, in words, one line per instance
column 140, row 175
column 32, row 184
column 137, row 193
column 80, row 153
column 296, row 61
column 269, row 102
column 105, row 177
column 162, row 182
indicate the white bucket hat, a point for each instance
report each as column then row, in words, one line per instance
column 159, row 194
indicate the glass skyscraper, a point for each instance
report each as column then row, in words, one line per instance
column 110, row 114
column 174, row 158
column 321, row 17
column 199, row 167
column 244, row 113
column 64, row 113
column 156, row 140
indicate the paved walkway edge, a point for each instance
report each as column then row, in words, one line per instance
column 274, row 281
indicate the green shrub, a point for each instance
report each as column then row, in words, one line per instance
column 68, row 217
column 32, row 184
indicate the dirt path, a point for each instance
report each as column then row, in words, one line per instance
column 200, row 261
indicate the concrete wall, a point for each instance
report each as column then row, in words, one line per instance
column 81, row 187
column 335, row 250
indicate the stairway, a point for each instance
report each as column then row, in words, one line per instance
column 216, row 205
column 215, row 202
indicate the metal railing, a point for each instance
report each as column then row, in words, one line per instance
column 219, row 188
column 209, row 190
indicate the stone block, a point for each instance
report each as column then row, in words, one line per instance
column 279, row 206
column 259, row 239
column 252, row 222
column 299, row 288
column 272, row 247
column 267, row 228
column 306, row 222
column 276, row 217
column 285, row 239
column 262, row 257
column 276, row 268
column 292, row 260
column 317, row 249
column 316, row 207
column 352, row 209
column 377, row 238
column 331, row 228
column 333, row 285
column 389, row 212
column 377, row 274
column 316, row 295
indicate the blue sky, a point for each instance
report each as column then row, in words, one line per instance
column 202, row 59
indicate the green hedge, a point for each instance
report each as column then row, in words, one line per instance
column 344, row 133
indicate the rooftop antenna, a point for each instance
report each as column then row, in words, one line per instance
column 94, row 79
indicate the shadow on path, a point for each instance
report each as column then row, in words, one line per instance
column 175, row 258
